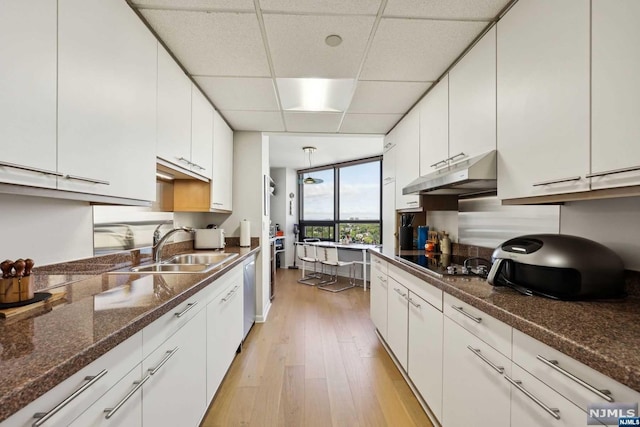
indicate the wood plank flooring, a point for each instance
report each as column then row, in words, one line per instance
column 316, row 362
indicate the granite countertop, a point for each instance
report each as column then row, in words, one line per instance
column 604, row 335
column 42, row 349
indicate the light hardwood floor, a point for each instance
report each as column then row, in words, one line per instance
column 316, row 362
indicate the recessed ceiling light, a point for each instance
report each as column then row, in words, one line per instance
column 311, row 94
column 333, row 40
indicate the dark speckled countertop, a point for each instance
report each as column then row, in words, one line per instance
column 602, row 335
column 42, row 349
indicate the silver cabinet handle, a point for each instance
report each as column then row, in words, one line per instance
column 84, row 179
column 557, row 181
column 399, row 292
column 435, row 165
column 168, row 355
column 182, row 159
column 470, row 316
column 217, row 204
column 43, row 417
column 198, row 166
column 554, row 412
column 604, row 394
column 460, row 154
column 187, row 308
column 413, row 202
column 476, row 351
column 30, row 169
column 110, row 412
column 387, row 179
column 415, row 304
column 613, row 172
column 230, row 294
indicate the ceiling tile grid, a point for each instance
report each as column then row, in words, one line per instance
column 369, row 123
column 264, row 121
column 298, row 48
column 335, row 7
column 312, row 122
column 386, row 97
column 240, row 93
column 197, row 4
column 212, row 44
column 485, row 10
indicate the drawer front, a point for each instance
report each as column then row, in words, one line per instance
column 490, row 330
column 379, row 265
column 537, row 358
column 551, row 409
column 426, row 291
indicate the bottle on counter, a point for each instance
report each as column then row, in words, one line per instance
column 445, row 243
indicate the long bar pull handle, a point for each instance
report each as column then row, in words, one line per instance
column 435, row 165
column 182, row 159
column 43, row 417
column 554, row 412
column 110, row 412
column 413, row 202
column 604, row 394
column 476, row 351
column 470, row 316
column 30, row 169
column 613, row 171
column 187, row 308
column 415, row 304
column 460, row 154
column 399, row 292
column 84, row 179
column 168, row 355
column 557, row 181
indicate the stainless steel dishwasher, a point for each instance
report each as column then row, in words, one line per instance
column 249, row 294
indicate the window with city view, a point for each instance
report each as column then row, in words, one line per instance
column 345, row 206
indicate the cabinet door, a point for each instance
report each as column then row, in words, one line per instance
column 388, row 218
column 407, row 139
column 175, row 395
column 543, row 98
column 224, row 331
column 201, row 133
column 425, row 351
column 378, row 307
column 174, row 111
column 389, row 164
column 472, row 100
column 123, row 409
column 28, row 88
column 475, row 392
column 106, row 100
column 525, row 412
column 615, row 92
column 434, row 127
column 222, row 177
column 397, row 320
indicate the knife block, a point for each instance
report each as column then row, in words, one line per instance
column 15, row 289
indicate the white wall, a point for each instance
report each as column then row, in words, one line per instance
column 47, row 230
column 286, row 183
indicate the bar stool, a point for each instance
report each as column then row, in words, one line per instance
column 307, row 254
column 329, row 257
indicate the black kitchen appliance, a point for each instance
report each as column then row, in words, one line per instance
column 558, row 266
column 442, row 265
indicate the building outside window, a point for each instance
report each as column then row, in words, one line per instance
column 346, row 205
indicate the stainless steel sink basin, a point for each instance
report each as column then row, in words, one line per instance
column 202, row 258
column 186, row 263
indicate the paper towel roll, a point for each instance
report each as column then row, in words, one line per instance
column 245, row 233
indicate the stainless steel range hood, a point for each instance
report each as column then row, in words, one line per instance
column 466, row 177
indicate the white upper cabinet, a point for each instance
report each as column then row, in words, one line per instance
column 201, row 134
column 174, row 112
column 106, row 100
column 472, row 100
column 434, row 127
column 389, row 162
column 406, row 136
column 222, row 176
column 28, row 92
column 615, row 142
column 543, row 98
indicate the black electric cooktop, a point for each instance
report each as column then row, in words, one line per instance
column 449, row 265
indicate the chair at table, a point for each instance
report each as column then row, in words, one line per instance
column 307, row 254
column 329, row 257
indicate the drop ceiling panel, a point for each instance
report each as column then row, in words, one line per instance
column 450, row 9
column 386, row 97
column 369, row 123
column 361, row 7
column 240, row 93
column 198, row 4
column 214, row 44
column 265, row 121
column 312, row 122
column 298, row 48
column 416, row 49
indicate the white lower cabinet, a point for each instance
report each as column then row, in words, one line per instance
column 397, row 320
column 425, row 351
column 378, row 306
column 475, row 392
column 175, row 394
column 224, row 329
column 533, row 404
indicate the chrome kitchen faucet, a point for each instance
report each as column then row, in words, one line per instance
column 157, row 248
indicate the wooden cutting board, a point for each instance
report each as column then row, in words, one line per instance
column 56, row 295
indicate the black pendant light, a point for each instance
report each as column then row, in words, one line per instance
column 309, row 179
